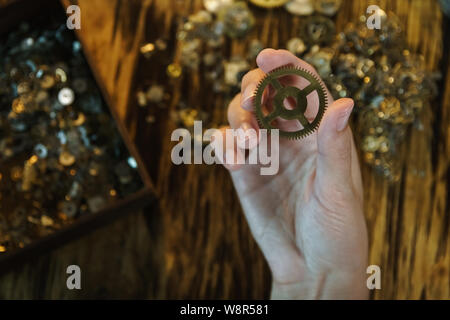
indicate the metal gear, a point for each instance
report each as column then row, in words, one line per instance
column 283, row 92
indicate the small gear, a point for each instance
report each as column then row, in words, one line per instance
column 300, row 96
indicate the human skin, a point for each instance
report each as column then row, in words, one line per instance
column 308, row 218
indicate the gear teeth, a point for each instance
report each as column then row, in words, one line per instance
column 313, row 79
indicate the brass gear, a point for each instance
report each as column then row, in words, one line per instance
column 283, row 92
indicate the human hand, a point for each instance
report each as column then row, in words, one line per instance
column 307, row 219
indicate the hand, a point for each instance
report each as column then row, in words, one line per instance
column 307, row 219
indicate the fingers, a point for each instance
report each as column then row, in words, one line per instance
column 248, row 88
column 270, row 59
column 244, row 122
column 334, row 143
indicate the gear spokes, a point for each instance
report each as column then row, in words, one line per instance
column 300, row 96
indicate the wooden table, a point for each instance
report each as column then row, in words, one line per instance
column 198, row 245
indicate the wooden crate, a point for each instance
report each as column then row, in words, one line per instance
column 10, row 17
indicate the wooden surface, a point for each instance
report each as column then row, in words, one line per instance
column 198, row 245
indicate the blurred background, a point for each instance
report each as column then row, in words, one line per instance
column 162, row 64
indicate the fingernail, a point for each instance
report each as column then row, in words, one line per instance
column 344, row 117
column 247, row 97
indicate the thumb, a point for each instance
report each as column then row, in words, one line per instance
column 334, row 146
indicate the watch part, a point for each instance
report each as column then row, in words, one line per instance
column 282, row 92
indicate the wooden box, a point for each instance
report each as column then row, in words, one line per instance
column 10, row 17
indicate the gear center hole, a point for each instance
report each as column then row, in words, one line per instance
column 290, row 103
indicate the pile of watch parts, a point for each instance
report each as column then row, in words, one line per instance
column 374, row 67
column 61, row 155
column 389, row 84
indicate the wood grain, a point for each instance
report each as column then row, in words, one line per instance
column 199, row 245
